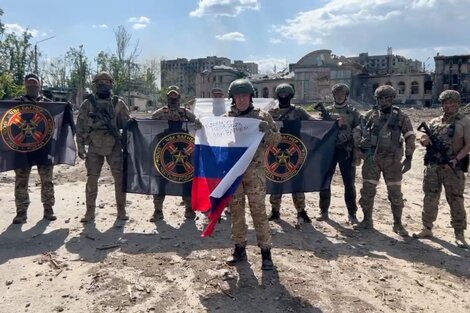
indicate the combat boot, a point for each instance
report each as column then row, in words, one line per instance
column 275, row 215
column 304, row 216
column 400, row 230
column 238, row 255
column 366, row 223
column 89, row 215
column 121, row 214
column 49, row 213
column 424, row 233
column 267, row 262
column 352, row 219
column 157, row 215
column 189, row 214
column 460, row 239
column 20, row 217
column 322, row 217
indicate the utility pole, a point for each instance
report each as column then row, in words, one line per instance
column 36, row 54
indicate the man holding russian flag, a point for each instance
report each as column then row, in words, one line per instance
column 253, row 184
column 245, row 145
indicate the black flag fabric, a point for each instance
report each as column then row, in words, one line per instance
column 36, row 133
column 158, row 157
column 303, row 161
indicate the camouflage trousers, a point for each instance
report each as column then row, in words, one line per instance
column 436, row 176
column 21, row 186
column 298, row 198
column 347, row 169
column 253, row 186
column 94, row 163
column 391, row 170
column 158, row 202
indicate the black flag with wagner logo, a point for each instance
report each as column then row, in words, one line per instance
column 36, row 133
column 303, row 160
column 158, row 157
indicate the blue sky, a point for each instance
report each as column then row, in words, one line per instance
column 265, row 31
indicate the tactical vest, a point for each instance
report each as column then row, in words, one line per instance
column 445, row 134
column 385, row 134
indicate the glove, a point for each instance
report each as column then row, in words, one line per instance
column 197, row 124
column 81, row 152
column 406, row 165
column 263, row 126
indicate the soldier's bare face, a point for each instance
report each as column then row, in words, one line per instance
column 450, row 107
column 242, row 101
column 340, row 96
column 384, row 102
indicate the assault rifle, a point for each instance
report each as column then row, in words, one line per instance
column 344, row 135
column 104, row 115
column 437, row 146
column 324, row 112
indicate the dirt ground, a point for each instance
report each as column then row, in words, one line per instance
column 139, row 266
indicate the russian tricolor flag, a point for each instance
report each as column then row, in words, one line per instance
column 224, row 148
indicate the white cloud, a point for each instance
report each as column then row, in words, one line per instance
column 268, row 64
column 139, row 22
column 18, row 29
column 224, row 7
column 100, row 26
column 373, row 25
column 274, row 40
column 233, row 36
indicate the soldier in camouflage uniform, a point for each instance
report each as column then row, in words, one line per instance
column 32, row 84
column 100, row 118
column 253, row 184
column 218, row 102
column 283, row 112
column 452, row 129
column 382, row 143
column 172, row 112
column 344, row 153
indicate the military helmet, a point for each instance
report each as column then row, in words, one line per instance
column 340, row 87
column 32, row 76
column 175, row 89
column 217, row 90
column 385, row 91
column 240, row 86
column 284, row 88
column 103, row 76
column 449, row 95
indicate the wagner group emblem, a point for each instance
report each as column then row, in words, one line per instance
column 173, row 157
column 27, row 128
column 284, row 161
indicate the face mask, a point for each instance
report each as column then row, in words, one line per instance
column 284, row 102
column 173, row 103
column 103, row 91
column 32, row 91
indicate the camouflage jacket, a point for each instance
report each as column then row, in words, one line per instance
column 453, row 132
column 176, row 115
column 292, row 113
column 387, row 131
column 351, row 117
column 272, row 136
column 99, row 122
column 29, row 99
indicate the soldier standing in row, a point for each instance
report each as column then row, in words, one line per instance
column 387, row 128
column 344, row 153
column 253, row 184
column 32, row 84
column 446, row 168
column 100, row 118
column 283, row 112
column 172, row 112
